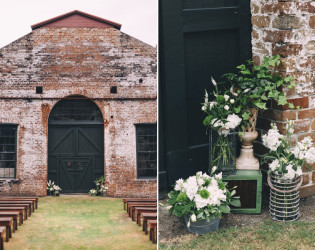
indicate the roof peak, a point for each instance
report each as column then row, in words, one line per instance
column 77, row 18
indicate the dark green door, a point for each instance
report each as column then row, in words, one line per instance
column 75, row 146
column 198, row 39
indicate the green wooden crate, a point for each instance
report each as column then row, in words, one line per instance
column 249, row 188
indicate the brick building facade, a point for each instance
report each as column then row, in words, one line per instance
column 287, row 28
column 94, row 72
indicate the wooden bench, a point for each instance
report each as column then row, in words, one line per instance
column 7, row 223
column 139, row 210
column 14, row 216
column 146, row 217
column 21, row 211
column 25, row 206
column 28, row 204
column 125, row 200
column 23, row 197
column 20, row 200
column 152, row 225
column 2, row 232
column 131, row 206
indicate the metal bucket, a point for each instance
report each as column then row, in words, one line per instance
column 284, row 198
column 202, row 226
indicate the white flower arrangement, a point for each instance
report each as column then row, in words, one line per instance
column 93, row 192
column 287, row 160
column 202, row 196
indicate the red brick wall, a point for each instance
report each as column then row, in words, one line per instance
column 287, row 28
column 78, row 61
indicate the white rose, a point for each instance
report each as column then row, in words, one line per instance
column 226, row 97
column 232, row 101
column 226, row 107
column 246, row 90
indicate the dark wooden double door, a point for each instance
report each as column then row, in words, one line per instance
column 198, row 39
column 75, row 156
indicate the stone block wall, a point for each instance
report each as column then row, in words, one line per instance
column 287, row 28
column 78, row 61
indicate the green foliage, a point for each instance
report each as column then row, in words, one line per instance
column 204, row 193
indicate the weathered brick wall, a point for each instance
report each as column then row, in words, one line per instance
column 78, row 61
column 287, row 28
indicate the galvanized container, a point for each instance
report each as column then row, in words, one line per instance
column 284, row 198
column 202, row 226
column 222, row 151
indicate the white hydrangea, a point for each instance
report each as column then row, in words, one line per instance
column 179, row 185
column 232, row 121
column 200, row 202
column 191, row 187
column 274, row 165
column 272, row 139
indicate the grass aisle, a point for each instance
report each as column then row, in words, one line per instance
column 79, row 222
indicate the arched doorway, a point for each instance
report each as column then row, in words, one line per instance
column 75, row 144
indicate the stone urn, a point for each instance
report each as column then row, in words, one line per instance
column 247, row 160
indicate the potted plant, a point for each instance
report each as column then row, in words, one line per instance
column 285, row 171
column 93, row 192
column 50, row 187
column 57, row 190
column 222, row 117
column 201, row 199
column 256, row 86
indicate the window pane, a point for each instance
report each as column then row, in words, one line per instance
column 7, row 151
column 146, row 150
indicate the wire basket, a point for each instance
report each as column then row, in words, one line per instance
column 284, row 204
column 222, row 151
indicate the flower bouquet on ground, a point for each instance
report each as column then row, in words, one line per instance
column 57, row 190
column 50, row 187
column 93, row 192
column 223, row 117
column 201, row 199
column 285, row 170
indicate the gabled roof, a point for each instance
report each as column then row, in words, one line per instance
column 77, row 18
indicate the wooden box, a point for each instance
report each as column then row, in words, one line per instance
column 249, row 188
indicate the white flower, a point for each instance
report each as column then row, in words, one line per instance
column 232, row 121
column 226, row 107
column 246, row 90
column 218, row 176
column 206, row 97
column 193, row 218
column 291, row 172
column 299, row 171
column 168, row 207
column 226, row 97
column 213, row 81
column 211, row 104
column 200, row 202
column 191, row 187
column 179, row 184
column 214, row 168
column 232, row 101
column 272, row 140
column 310, row 156
column 203, row 108
column 274, row 165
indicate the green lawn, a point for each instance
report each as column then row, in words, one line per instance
column 263, row 235
column 79, row 222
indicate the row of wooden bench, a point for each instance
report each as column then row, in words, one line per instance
column 145, row 210
column 13, row 211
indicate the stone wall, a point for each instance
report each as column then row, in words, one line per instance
column 287, row 28
column 78, row 61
